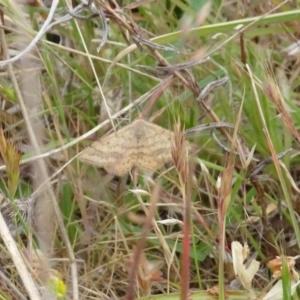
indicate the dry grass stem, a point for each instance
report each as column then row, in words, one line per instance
column 162, row 210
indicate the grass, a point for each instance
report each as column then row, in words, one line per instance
column 167, row 234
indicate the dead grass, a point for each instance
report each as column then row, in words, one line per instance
column 166, row 233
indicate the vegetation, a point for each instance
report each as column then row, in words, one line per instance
column 223, row 75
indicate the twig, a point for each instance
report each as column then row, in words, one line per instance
column 35, row 39
column 266, row 162
column 71, row 14
column 210, row 87
column 104, row 28
column 210, row 126
column 162, row 72
column 226, row 149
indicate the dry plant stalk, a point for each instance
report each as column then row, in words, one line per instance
column 140, row 145
column 185, row 173
column 271, row 90
column 4, row 231
column 180, row 154
column 138, row 250
column 147, row 273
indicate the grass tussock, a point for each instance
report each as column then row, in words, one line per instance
column 219, row 219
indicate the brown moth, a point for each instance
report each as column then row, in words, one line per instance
column 141, row 144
